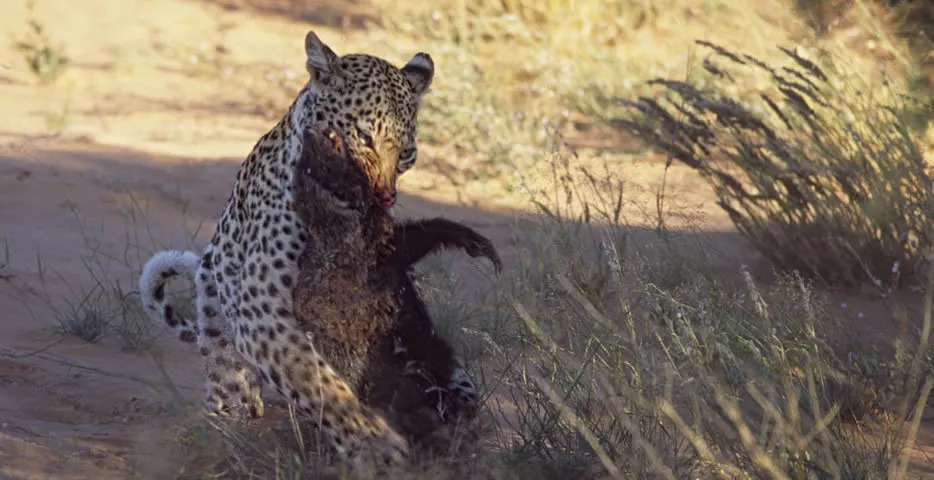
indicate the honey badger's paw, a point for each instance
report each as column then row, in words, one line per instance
column 464, row 402
column 477, row 245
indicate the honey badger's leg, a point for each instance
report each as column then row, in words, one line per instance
column 435, row 356
column 415, row 239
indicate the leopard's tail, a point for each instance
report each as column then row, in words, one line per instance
column 156, row 273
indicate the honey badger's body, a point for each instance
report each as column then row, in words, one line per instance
column 354, row 295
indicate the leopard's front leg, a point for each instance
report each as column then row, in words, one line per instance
column 268, row 334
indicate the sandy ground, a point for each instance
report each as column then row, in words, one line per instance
column 148, row 141
column 78, row 410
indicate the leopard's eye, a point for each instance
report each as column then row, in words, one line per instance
column 406, row 160
column 365, row 138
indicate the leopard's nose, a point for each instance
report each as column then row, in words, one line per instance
column 387, row 199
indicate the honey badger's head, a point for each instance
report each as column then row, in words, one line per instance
column 334, row 195
column 326, row 164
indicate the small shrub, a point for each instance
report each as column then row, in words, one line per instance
column 823, row 176
column 88, row 319
column 103, row 310
column 45, row 61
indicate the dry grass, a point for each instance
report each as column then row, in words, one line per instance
column 612, row 370
column 824, row 175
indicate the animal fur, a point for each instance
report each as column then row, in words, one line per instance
column 355, row 297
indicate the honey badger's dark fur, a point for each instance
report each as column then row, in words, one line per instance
column 354, row 295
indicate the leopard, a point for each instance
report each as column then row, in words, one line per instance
column 245, row 327
column 355, row 295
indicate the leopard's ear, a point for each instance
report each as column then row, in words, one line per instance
column 419, row 71
column 321, row 62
